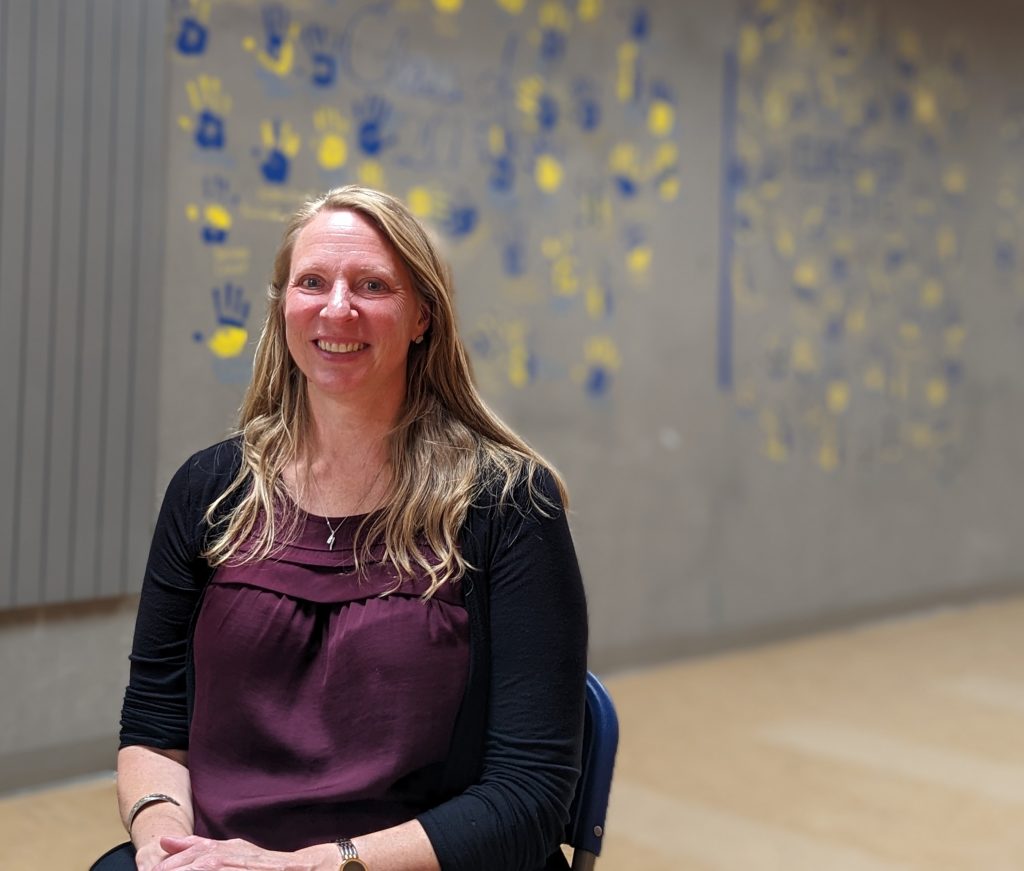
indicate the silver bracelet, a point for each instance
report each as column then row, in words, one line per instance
column 146, row 801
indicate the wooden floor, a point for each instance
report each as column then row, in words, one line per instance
column 893, row 746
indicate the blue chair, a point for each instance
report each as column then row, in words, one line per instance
column 590, row 804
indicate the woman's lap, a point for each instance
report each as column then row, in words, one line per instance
column 121, row 858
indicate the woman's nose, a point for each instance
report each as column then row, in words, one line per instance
column 339, row 301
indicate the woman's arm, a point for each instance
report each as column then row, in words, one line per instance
column 145, row 770
column 514, row 817
column 154, row 716
column 401, row 848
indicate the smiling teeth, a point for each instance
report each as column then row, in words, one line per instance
column 335, row 348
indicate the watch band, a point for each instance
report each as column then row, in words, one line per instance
column 350, row 860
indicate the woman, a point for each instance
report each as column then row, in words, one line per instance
column 362, row 633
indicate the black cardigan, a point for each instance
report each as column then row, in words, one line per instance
column 515, row 752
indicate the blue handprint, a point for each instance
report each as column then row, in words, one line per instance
column 1006, row 255
column 513, row 253
column 662, row 90
column 460, row 218
column 588, row 109
column 193, row 33
column 280, row 144
column 374, row 116
column 640, row 26
column 276, row 19
column 230, row 304
column 503, row 174
column 547, row 112
column 210, row 130
column 210, row 103
column 191, row 37
column 499, row 158
column 552, row 44
column 321, row 55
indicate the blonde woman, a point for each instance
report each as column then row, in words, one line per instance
column 362, row 634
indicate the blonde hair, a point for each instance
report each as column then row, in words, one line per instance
column 446, row 448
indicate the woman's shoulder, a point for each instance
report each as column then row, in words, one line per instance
column 222, row 458
column 209, row 470
column 530, row 489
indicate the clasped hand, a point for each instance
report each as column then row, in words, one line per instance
column 193, row 853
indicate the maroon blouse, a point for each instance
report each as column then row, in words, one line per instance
column 322, row 708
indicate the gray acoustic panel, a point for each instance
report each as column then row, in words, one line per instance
column 81, row 224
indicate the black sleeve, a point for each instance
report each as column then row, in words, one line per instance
column 515, row 817
column 155, row 710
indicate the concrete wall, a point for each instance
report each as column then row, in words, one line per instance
column 748, row 273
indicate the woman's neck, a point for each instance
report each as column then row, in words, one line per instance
column 344, row 464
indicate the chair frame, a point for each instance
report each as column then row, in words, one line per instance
column 590, row 804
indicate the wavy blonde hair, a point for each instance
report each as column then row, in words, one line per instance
column 446, row 448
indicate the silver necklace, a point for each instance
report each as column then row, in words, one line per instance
column 333, row 530
column 330, row 538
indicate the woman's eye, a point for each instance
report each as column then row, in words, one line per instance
column 375, row 285
column 310, row 282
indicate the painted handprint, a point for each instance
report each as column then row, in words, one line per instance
column 601, row 360
column 374, row 117
column 214, row 215
column 232, row 310
column 624, row 166
column 661, row 113
column 192, row 26
column 499, row 157
column 587, row 108
column 538, row 104
column 277, row 52
column 209, row 103
column 554, row 22
column 513, row 256
column 323, row 55
column 638, row 251
column 456, row 215
column 332, row 147
column 280, row 144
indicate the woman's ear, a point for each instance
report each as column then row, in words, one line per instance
column 423, row 322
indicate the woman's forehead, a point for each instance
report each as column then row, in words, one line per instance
column 344, row 233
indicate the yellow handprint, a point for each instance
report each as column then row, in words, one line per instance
column 332, row 149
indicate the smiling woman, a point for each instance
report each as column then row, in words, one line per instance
column 362, row 632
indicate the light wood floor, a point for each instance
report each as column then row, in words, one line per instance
column 890, row 747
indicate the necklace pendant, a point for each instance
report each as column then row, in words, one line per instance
column 330, row 541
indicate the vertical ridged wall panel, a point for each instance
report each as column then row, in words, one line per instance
column 81, row 227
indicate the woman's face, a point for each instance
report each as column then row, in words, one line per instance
column 350, row 310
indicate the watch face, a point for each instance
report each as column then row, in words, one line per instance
column 354, row 865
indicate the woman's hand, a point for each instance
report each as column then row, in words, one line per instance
column 204, row 854
column 150, row 855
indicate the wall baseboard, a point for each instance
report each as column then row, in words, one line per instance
column 628, row 657
column 39, row 767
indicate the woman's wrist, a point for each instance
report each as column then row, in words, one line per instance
column 150, row 798
column 319, row 857
column 158, row 821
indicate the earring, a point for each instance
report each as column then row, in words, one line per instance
column 418, row 340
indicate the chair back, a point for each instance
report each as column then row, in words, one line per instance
column 590, row 804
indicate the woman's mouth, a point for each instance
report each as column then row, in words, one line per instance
column 339, row 347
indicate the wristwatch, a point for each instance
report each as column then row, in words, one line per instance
column 350, row 860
